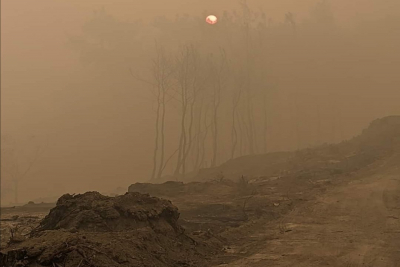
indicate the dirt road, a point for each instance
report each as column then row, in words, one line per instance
column 355, row 224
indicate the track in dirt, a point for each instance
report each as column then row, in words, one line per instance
column 355, row 224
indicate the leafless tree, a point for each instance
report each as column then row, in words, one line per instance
column 188, row 86
column 218, row 77
column 265, row 128
column 248, row 76
column 235, row 103
column 202, row 127
column 206, row 126
column 198, row 83
column 162, row 73
column 198, row 128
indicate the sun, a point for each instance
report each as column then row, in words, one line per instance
column 211, row 19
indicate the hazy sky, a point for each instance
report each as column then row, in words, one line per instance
column 44, row 86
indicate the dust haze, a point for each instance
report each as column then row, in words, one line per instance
column 79, row 85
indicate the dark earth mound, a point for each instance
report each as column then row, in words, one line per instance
column 95, row 230
column 97, row 213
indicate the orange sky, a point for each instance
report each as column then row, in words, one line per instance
column 41, row 78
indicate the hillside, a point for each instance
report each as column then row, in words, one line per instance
column 379, row 141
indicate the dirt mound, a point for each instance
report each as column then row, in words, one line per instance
column 95, row 230
column 97, row 213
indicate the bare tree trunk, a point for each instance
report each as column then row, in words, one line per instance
column 190, row 139
column 265, row 128
column 296, row 105
column 182, row 141
column 155, row 151
column 199, row 137
column 249, row 126
column 254, row 128
column 162, row 130
column 234, row 134
column 249, row 111
column 248, row 136
column 168, row 159
column 241, row 135
column 183, row 83
column 219, row 83
column 188, row 81
column 216, row 104
column 162, row 71
column 203, row 142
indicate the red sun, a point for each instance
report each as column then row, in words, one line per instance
column 211, row 19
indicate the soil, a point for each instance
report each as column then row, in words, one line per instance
column 356, row 223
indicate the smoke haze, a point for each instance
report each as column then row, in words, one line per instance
column 94, row 122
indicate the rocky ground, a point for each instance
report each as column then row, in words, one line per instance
column 334, row 205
